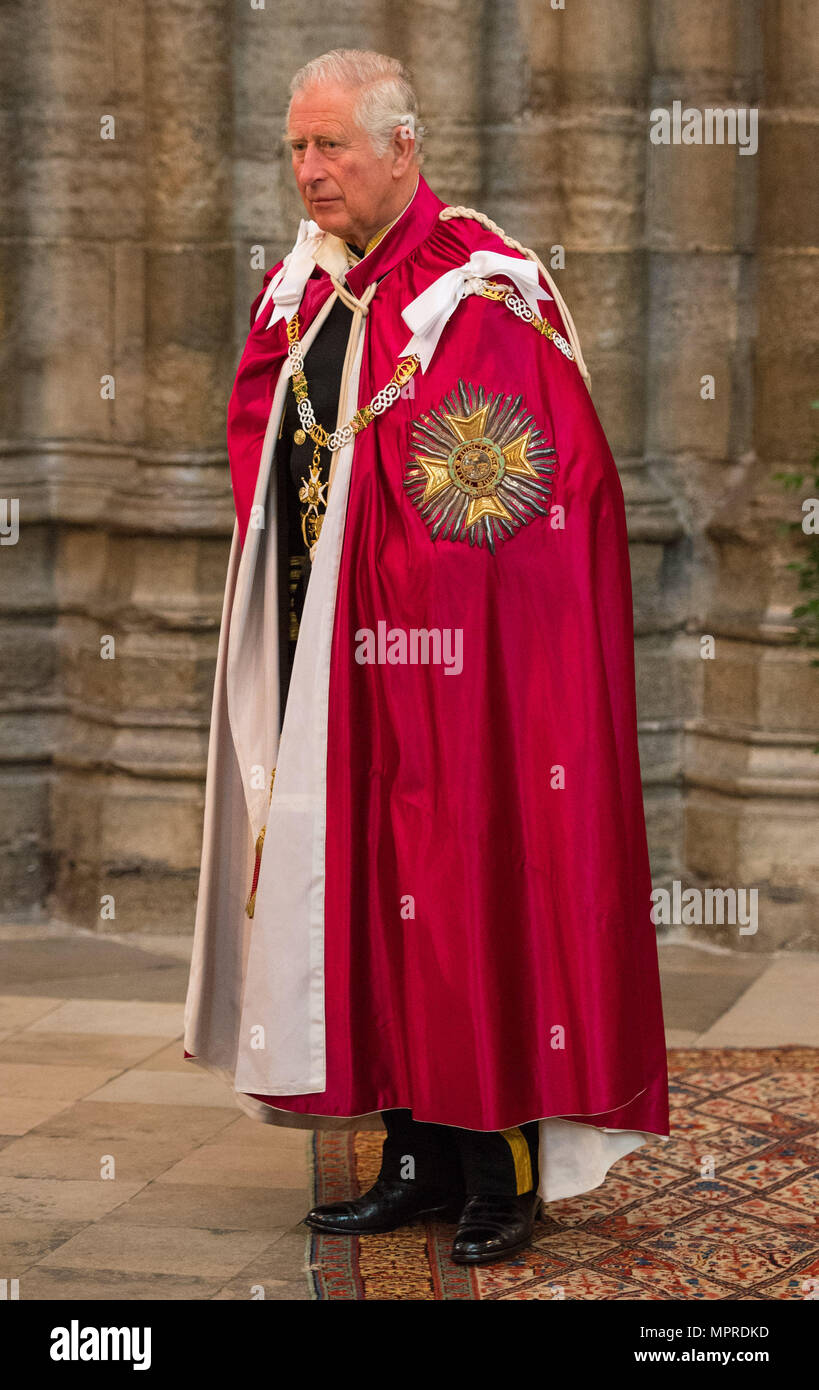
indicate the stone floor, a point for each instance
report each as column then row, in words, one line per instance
column 126, row 1173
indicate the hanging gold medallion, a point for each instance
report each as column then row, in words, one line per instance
column 480, row 467
column 313, row 494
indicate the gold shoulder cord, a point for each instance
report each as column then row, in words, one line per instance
column 506, row 294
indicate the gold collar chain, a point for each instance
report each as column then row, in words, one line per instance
column 313, row 492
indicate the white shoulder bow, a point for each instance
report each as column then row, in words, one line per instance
column 428, row 314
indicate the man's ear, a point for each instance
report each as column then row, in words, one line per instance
column 403, row 148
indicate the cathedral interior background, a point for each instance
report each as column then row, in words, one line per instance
column 145, row 194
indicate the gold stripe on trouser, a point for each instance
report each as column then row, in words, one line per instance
column 522, row 1159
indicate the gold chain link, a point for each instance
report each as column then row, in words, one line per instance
column 312, row 491
column 492, row 290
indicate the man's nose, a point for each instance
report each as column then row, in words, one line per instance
column 311, row 168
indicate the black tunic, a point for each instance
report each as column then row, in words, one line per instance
column 323, row 366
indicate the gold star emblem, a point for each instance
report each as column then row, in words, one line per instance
column 474, row 465
column 437, row 475
column 486, row 484
column 469, row 426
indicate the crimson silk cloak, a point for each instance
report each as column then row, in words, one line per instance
column 526, row 984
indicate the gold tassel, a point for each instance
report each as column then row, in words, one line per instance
column 250, row 907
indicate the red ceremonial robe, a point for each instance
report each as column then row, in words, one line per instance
column 489, row 955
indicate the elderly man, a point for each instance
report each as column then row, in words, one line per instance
column 425, row 888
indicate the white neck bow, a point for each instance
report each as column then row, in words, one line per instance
column 287, row 285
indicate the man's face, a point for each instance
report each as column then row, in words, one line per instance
column 346, row 187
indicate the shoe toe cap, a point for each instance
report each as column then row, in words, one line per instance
column 479, row 1238
column 333, row 1212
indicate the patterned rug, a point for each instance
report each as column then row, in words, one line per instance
column 655, row 1229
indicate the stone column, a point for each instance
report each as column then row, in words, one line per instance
column 143, row 513
column 577, row 146
column 752, row 815
column 72, row 200
column 700, row 203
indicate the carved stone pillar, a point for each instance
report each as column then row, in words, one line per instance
column 143, row 505
column 580, row 133
column 699, row 227
column 753, row 812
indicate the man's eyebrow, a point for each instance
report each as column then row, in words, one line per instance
column 291, row 139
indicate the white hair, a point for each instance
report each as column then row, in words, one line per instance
column 387, row 97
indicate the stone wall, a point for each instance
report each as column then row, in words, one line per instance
column 134, row 259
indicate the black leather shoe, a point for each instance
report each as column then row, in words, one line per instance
column 493, row 1226
column 385, row 1207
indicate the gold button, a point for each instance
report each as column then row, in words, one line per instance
column 299, row 437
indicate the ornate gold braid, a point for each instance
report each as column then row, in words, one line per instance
column 493, row 290
column 363, row 417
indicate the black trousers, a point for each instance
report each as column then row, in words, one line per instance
column 452, row 1160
